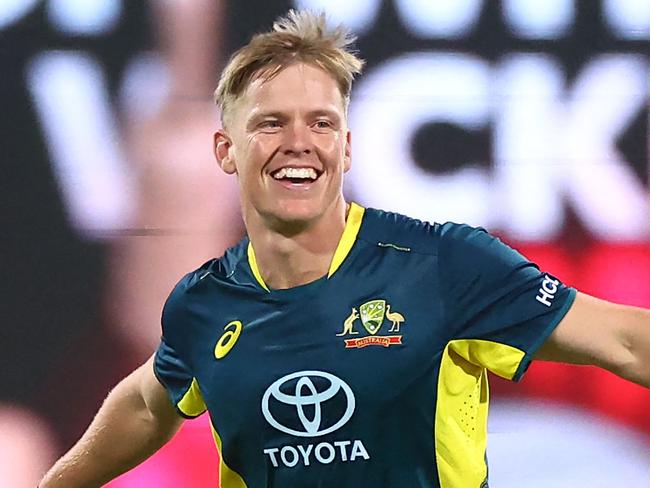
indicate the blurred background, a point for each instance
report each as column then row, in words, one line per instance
column 528, row 117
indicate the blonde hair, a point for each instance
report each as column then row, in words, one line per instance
column 300, row 36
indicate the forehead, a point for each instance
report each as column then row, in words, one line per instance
column 299, row 86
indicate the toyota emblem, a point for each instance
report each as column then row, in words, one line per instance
column 298, row 391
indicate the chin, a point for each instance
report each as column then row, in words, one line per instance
column 296, row 213
column 299, row 211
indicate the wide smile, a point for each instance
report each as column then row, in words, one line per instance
column 296, row 178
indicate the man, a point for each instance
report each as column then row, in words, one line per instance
column 337, row 345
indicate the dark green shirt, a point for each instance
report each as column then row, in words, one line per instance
column 373, row 376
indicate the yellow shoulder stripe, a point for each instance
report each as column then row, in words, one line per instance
column 192, row 403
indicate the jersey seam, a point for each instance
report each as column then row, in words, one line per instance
column 441, row 297
column 178, row 409
column 532, row 350
column 243, row 265
column 183, row 306
column 191, row 280
column 169, row 390
column 374, row 243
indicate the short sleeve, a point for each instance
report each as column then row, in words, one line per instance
column 498, row 306
column 170, row 367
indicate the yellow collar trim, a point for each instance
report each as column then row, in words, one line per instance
column 350, row 232
column 252, row 261
column 352, row 226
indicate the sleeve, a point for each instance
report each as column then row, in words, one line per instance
column 498, row 306
column 170, row 367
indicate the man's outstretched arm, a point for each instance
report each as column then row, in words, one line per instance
column 136, row 419
column 614, row 337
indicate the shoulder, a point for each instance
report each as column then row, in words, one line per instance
column 418, row 235
column 175, row 304
column 454, row 244
column 455, row 236
column 476, row 251
column 221, row 267
column 397, row 230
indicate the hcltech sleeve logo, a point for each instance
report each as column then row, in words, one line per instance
column 311, row 404
column 547, row 291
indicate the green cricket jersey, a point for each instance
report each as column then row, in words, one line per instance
column 372, row 376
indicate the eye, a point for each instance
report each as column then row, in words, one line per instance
column 270, row 124
column 323, row 124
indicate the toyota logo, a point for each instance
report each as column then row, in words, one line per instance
column 300, row 392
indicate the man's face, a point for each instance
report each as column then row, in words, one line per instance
column 289, row 144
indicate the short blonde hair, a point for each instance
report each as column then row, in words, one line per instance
column 300, row 36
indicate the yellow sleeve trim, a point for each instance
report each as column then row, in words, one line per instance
column 227, row 477
column 352, row 226
column 192, row 404
column 252, row 261
column 501, row 359
column 462, row 407
column 461, row 422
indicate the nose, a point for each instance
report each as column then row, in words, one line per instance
column 297, row 139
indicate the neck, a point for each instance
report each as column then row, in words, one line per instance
column 291, row 259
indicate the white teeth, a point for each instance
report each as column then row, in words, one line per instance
column 306, row 173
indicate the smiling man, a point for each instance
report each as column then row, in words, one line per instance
column 285, row 136
column 336, row 345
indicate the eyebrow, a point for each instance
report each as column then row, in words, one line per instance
column 325, row 112
column 272, row 114
column 277, row 114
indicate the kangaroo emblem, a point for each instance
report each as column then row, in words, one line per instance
column 349, row 323
column 396, row 318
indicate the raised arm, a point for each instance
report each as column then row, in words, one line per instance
column 611, row 336
column 136, row 419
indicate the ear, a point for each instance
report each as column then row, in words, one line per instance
column 347, row 156
column 223, row 152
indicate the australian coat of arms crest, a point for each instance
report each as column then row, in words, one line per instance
column 373, row 315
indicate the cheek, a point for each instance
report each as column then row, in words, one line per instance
column 332, row 148
column 251, row 163
column 260, row 147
